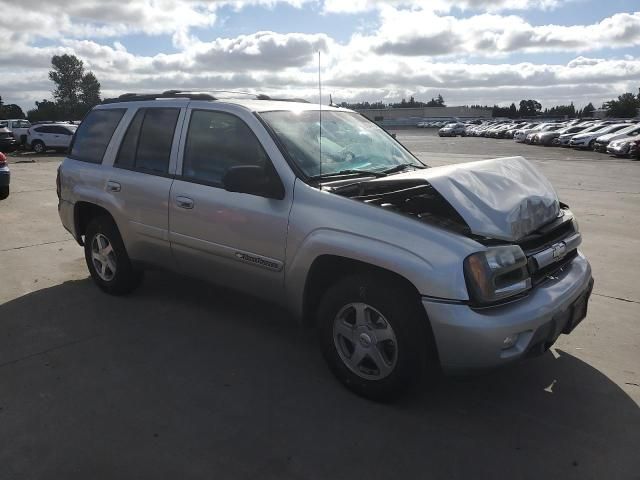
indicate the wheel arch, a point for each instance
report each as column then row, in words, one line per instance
column 83, row 213
column 326, row 269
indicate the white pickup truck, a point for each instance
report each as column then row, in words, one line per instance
column 18, row 127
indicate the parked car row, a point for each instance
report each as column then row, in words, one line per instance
column 39, row 136
column 441, row 123
column 617, row 137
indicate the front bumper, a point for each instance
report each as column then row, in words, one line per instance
column 8, row 145
column 618, row 149
column 471, row 339
column 579, row 143
column 600, row 146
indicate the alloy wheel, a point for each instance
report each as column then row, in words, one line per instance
column 103, row 257
column 365, row 341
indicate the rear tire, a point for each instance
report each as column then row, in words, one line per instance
column 375, row 336
column 38, row 146
column 107, row 258
column 4, row 192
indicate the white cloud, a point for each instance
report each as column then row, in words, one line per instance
column 419, row 48
column 403, row 32
column 355, row 6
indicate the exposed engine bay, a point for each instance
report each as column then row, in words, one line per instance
column 412, row 197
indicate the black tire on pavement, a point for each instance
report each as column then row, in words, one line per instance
column 4, row 192
column 38, row 146
column 126, row 278
column 416, row 352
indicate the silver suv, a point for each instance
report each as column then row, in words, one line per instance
column 405, row 270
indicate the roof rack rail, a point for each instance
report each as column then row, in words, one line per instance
column 139, row 97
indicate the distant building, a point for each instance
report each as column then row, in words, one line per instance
column 395, row 117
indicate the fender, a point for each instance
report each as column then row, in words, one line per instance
column 417, row 270
column 100, row 198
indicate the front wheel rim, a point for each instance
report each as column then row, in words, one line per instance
column 103, row 257
column 365, row 341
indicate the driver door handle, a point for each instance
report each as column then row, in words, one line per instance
column 184, row 202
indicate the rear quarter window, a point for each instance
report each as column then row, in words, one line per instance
column 94, row 134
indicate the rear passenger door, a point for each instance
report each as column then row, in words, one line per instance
column 42, row 133
column 234, row 239
column 58, row 137
column 140, row 180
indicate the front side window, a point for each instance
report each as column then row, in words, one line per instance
column 94, row 134
column 146, row 146
column 215, row 142
column 349, row 142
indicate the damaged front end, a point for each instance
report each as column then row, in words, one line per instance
column 504, row 204
column 502, row 199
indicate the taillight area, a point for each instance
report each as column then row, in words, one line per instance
column 3, row 160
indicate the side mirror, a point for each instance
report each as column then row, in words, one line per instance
column 253, row 180
column 393, row 135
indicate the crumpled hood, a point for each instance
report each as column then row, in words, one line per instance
column 503, row 198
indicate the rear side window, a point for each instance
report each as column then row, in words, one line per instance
column 127, row 154
column 146, row 146
column 60, row 130
column 215, row 142
column 94, row 134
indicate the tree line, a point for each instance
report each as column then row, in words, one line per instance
column 75, row 93
column 625, row 106
column 404, row 103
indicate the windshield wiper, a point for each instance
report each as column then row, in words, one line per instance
column 401, row 167
column 350, row 171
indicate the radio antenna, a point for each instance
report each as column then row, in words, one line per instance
column 320, row 111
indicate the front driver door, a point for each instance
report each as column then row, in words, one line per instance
column 234, row 239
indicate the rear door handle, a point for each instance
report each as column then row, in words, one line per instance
column 113, row 186
column 184, row 202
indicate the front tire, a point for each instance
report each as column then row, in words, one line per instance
column 375, row 336
column 107, row 259
column 4, row 192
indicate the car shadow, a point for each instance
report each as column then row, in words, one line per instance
column 185, row 380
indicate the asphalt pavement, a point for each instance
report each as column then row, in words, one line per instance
column 184, row 380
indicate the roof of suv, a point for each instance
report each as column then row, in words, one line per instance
column 254, row 103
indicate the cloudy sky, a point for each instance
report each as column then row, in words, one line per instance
column 470, row 51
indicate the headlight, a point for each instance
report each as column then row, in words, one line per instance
column 497, row 273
